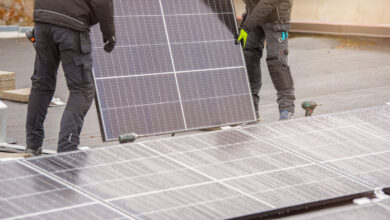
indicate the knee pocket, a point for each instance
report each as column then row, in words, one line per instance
column 280, row 74
column 83, row 71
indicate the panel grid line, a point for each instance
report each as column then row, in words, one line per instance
column 308, row 132
column 173, row 15
column 195, row 167
column 50, row 211
column 212, row 181
column 351, row 177
column 177, row 72
column 190, row 205
column 209, row 177
column 364, row 131
column 243, row 60
column 160, row 191
column 161, row 103
column 384, row 206
column 77, row 189
column 299, row 184
column 356, row 156
column 173, row 64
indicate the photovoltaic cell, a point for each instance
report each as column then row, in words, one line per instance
column 176, row 67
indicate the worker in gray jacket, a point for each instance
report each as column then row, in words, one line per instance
column 268, row 21
column 62, row 35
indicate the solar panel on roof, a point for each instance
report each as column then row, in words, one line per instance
column 176, row 67
column 355, row 143
column 25, row 193
column 199, row 177
column 205, row 176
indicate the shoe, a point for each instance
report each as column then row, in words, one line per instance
column 286, row 115
column 33, row 152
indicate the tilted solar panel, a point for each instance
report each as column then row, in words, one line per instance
column 176, row 67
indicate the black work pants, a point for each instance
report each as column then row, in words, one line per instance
column 73, row 49
column 277, row 62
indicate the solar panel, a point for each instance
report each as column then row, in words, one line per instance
column 355, row 143
column 176, row 67
column 254, row 171
column 198, row 177
column 25, row 193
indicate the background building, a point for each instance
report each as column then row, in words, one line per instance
column 349, row 17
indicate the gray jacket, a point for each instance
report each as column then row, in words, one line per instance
column 78, row 15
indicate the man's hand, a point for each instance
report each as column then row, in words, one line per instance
column 242, row 37
column 109, row 44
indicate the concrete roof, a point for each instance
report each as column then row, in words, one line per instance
column 339, row 73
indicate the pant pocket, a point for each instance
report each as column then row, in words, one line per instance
column 86, row 74
column 85, row 43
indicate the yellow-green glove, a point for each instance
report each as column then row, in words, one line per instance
column 242, row 37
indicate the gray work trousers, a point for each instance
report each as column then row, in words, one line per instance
column 73, row 49
column 277, row 62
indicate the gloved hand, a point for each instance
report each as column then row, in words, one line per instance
column 109, row 44
column 242, row 37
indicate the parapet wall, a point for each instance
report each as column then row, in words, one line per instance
column 344, row 17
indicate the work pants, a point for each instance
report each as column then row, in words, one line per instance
column 73, row 49
column 277, row 52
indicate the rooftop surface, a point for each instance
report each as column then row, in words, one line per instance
column 338, row 73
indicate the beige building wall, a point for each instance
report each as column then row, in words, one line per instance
column 366, row 12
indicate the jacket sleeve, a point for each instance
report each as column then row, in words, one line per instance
column 104, row 11
column 260, row 13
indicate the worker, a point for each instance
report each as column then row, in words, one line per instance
column 268, row 21
column 62, row 35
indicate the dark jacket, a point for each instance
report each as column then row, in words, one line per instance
column 78, row 15
column 259, row 12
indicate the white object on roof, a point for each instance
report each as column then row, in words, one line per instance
column 56, row 102
column 3, row 121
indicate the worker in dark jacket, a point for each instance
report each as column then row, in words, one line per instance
column 268, row 21
column 62, row 35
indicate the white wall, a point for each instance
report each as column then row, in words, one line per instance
column 337, row 11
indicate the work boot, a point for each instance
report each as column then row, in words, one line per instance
column 33, row 152
column 285, row 115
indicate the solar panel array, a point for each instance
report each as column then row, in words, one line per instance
column 175, row 67
column 356, row 143
column 216, row 175
column 26, row 193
